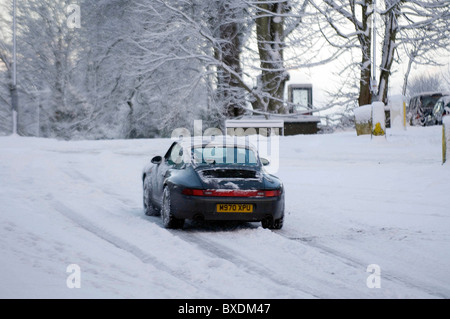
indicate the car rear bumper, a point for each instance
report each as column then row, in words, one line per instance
column 205, row 208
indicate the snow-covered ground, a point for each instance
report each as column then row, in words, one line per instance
column 351, row 202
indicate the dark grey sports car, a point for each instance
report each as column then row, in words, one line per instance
column 212, row 181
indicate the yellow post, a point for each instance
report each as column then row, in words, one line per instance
column 404, row 114
column 445, row 137
column 444, row 144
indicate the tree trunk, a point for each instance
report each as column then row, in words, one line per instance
column 389, row 46
column 365, row 93
column 412, row 56
column 365, row 39
column 270, row 38
column 228, row 53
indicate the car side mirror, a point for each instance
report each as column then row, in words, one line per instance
column 157, row 160
column 264, row 161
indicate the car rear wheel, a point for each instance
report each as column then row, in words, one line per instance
column 169, row 221
column 271, row 223
column 149, row 208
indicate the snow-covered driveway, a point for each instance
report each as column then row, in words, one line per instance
column 351, row 202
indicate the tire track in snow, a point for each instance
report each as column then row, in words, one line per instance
column 76, row 175
column 249, row 266
column 221, row 251
column 254, row 268
column 353, row 262
column 122, row 244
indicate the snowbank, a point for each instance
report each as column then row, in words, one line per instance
column 65, row 203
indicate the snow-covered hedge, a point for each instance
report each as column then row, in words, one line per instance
column 363, row 119
column 370, row 119
column 445, row 138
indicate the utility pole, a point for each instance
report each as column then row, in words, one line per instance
column 374, row 85
column 14, row 95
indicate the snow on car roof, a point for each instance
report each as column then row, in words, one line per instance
column 429, row 93
column 221, row 140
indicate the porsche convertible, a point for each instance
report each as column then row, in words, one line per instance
column 212, row 181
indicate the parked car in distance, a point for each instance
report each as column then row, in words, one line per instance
column 420, row 108
column 220, row 180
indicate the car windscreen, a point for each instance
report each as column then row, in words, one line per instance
column 429, row 101
column 224, row 155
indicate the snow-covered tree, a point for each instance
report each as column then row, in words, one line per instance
column 270, row 36
column 347, row 27
column 285, row 40
column 426, row 83
column 421, row 28
column 45, row 58
column 425, row 35
column 230, row 23
column 400, row 24
column 103, row 81
column 6, row 58
column 212, row 38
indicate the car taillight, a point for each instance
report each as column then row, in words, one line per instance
column 192, row 192
column 231, row 192
column 272, row 193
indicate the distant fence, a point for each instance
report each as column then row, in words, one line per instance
column 249, row 127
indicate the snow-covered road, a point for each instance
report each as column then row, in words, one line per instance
column 351, row 202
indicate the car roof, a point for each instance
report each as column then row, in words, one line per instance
column 222, row 140
column 429, row 93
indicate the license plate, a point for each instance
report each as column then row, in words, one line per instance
column 235, row 208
